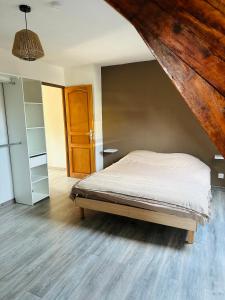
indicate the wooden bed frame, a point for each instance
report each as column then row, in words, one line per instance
column 141, row 214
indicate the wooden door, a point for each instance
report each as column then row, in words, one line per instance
column 80, row 130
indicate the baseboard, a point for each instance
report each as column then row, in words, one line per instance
column 56, row 168
column 9, row 202
column 218, row 187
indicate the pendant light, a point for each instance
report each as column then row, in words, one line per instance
column 27, row 45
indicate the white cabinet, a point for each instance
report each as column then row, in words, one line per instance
column 24, row 110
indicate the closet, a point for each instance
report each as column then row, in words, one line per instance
column 26, row 138
column 6, row 187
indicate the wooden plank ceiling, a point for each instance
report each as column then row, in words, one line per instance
column 188, row 40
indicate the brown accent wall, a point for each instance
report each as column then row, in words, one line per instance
column 143, row 110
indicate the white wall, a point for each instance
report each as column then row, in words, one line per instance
column 54, row 126
column 6, row 187
column 38, row 70
column 91, row 74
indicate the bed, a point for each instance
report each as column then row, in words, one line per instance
column 169, row 189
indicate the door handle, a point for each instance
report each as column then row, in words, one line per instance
column 10, row 144
column 91, row 134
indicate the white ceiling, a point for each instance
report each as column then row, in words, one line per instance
column 75, row 32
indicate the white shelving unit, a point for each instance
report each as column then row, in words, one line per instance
column 24, row 109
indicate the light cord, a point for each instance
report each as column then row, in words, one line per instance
column 28, row 50
column 26, row 19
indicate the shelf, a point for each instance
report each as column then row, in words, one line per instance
column 218, row 157
column 31, row 128
column 37, row 154
column 111, row 150
column 39, row 173
column 40, row 190
column 32, row 103
column 38, row 196
column 37, row 178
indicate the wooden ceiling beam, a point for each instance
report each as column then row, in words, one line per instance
column 188, row 40
column 218, row 4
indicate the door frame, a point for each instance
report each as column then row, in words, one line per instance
column 64, row 121
column 62, row 87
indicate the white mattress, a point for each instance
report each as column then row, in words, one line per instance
column 170, row 180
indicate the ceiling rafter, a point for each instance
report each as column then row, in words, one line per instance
column 188, row 40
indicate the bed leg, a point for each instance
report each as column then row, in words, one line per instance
column 190, row 237
column 82, row 213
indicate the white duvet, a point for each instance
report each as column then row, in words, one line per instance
column 176, row 180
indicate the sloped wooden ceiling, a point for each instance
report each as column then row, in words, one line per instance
column 187, row 37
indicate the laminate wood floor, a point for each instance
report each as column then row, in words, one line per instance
column 46, row 252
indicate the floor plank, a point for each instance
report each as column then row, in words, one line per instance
column 47, row 252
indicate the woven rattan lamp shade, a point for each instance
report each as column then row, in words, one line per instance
column 27, row 45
